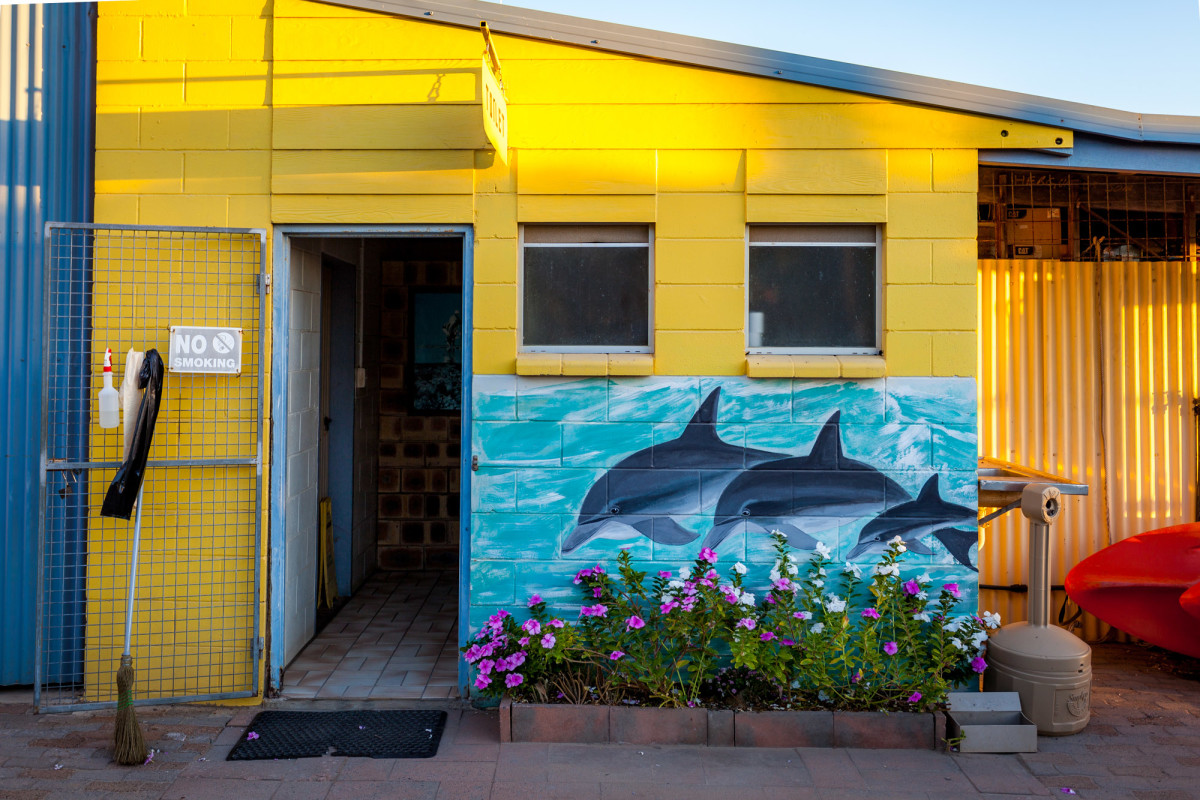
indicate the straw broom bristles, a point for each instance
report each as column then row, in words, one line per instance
column 129, row 747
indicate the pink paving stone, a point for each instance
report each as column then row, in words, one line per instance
column 875, row 730
column 665, row 726
column 559, row 723
column 783, row 729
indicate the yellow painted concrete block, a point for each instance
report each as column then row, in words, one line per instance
column 349, row 208
column 494, row 352
column 227, row 172
column 769, row 366
column 250, row 211
column 493, row 174
column 630, row 364
column 910, row 170
column 682, row 307
column 861, row 208
column 699, row 353
column 814, row 366
column 138, row 83
column 250, row 128
column 378, row 38
column 585, row 208
column 372, row 171
column 908, row 261
column 936, row 215
column 955, row 171
column 495, row 305
column 183, row 209
column 251, row 39
column 428, row 127
column 185, row 129
column 539, row 363
column 227, row 83
column 816, row 172
column 701, row 216
column 116, row 209
column 223, row 8
column 118, row 128
column 700, row 261
column 605, row 172
column 584, row 364
column 307, row 8
column 496, row 216
column 118, row 38
column 144, row 8
column 908, row 353
column 955, row 354
column 496, row 261
column 138, row 172
column 389, row 82
column 862, row 366
column 189, row 38
column 701, row 170
column 930, row 308
column 955, row 261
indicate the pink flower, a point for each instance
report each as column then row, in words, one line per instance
column 856, row 677
column 783, row 584
column 766, row 636
column 870, row 613
column 251, row 736
column 548, row 641
column 786, row 642
column 598, row 610
column 635, row 622
column 616, row 655
column 952, row 588
column 802, row 614
column 665, row 608
column 486, row 666
column 914, row 697
column 502, row 665
column 483, row 681
column 516, row 659
column 911, row 587
column 524, row 640
column 514, row 679
column 891, row 648
column 978, row 664
column 556, row 623
column 708, row 554
column 533, row 601
column 662, row 573
column 749, row 623
column 532, row 626
column 731, row 598
column 583, row 573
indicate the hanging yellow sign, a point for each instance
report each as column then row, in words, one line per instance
column 495, row 106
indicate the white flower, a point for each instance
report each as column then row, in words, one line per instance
column 954, row 625
column 922, row 616
column 991, row 620
column 739, row 568
column 746, row 599
column 852, row 569
column 922, row 595
column 667, row 597
column 820, row 584
column 924, row 578
column 774, row 575
column 795, row 684
column 898, row 543
column 685, row 573
column 835, row 604
column 823, row 550
column 792, row 569
column 675, row 584
column 820, row 626
column 978, row 639
column 886, row 569
column 957, row 644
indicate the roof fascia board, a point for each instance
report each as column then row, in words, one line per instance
column 692, row 50
column 1103, row 154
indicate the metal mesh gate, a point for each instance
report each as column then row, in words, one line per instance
column 196, row 631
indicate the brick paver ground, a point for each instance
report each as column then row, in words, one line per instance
column 1143, row 743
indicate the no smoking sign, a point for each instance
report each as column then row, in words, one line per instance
column 203, row 350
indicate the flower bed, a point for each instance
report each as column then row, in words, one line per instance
column 839, row 638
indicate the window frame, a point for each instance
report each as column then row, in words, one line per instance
column 597, row 349
column 879, row 286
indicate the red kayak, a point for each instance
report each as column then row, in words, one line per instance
column 1147, row 585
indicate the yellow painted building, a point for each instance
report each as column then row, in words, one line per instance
column 348, row 134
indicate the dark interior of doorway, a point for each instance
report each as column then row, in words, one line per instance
column 390, row 450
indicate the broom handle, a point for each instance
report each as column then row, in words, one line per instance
column 137, row 535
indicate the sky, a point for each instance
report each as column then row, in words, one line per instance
column 1132, row 55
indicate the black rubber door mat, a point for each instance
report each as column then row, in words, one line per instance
column 364, row 734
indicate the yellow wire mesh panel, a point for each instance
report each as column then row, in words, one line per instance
column 195, row 622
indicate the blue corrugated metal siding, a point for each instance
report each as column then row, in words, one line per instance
column 47, row 113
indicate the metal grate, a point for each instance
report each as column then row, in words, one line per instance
column 196, row 614
column 1086, row 216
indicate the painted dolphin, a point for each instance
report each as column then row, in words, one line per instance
column 823, row 485
column 916, row 519
column 646, row 488
column 959, row 542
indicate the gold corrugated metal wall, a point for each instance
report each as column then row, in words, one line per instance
column 1088, row 370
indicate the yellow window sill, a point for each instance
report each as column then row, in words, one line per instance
column 585, row 364
column 804, row 366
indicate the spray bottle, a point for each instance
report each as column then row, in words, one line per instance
column 110, row 415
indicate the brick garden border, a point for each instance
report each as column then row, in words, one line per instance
column 586, row 724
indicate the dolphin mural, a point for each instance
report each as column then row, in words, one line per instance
column 824, row 483
column 916, row 519
column 645, row 489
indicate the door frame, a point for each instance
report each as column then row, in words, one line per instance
column 280, row 313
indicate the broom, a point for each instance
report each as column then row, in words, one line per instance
column 129, row 746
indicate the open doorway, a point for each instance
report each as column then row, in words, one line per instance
column 369, row 584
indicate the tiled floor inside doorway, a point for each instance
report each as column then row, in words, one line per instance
column 395, row 639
